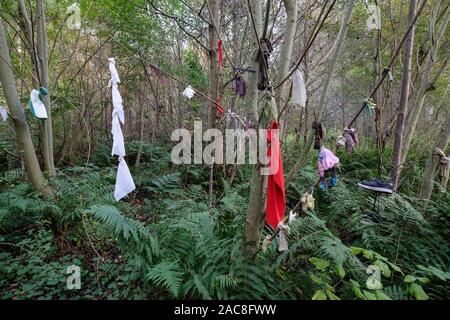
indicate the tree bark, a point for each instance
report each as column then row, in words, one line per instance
column 326, row 84
column 404, row 95
column 426, row 187
column 425, row 83
column 254, row 221
column 42, row 50
column 18, row 115
column 288, row 41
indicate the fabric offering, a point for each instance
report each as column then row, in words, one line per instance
column 444, row 170
column 124, row 180
column 37, row 105
column 351, row 139
column 283, row 245
column 263, row 82
column 374, row 20
column 188, row 92
column 220, row 110
column 276, row 200
column 118, row 148
column 4, row 113
column 241, row 86
column 220, row 52
column 326, row 160
column 319, row 134
column 298, row 89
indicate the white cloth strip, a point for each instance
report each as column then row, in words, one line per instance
column 4, row 113
column 124, row 180
column 38, row 106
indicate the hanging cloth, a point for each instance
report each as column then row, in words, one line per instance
column 188, row 92
column 118, row 148
column 241, row 87
column 276, row 200
column 4, row 113
column 36, row 103
column 319, row 134
column 220, row 110
column 351, row 139
column 374, row 20
column 271, row 107
column 444, row 171
column 124, row 180
column 298, row 90
column 151, row 69
column 219, row 52
column 369, row 104
column 263, row 80
column 113, row 70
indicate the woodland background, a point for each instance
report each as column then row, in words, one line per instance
column 193, row 231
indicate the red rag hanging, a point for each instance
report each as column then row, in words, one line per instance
column 276, row 200
column 219, row 52
column 219, row 109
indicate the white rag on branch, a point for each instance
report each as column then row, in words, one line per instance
column 298, row 89
column 124, row 180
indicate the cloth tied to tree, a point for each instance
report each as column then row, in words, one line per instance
column 188, row 92
column 124, row 180
column 220, row 52
column 241, row 86
column 351, row 139
column 263, row 80
column 319, row 134
column 36, row 103
column 444, row 171
column 276, row 200
column 298, row 89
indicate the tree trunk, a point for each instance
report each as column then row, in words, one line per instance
column 255, row 215
column 42, row 50
column 214, row 68
column 425, row 83
column 288, row 41
column 404, row 94
column 141, row 128
column 429, row 173
column 18, row 114
column 325, row 86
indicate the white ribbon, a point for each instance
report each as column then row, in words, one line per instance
column 118, row 140
column 124, row 180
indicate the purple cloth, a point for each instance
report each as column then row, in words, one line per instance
column 351, row 139
column 241, row 87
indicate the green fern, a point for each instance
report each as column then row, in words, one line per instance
column 167, row 274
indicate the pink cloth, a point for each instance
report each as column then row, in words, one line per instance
column 327, row 160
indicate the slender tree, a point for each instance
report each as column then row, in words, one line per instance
column 24, row 141
column 404, row 96
column 325, row 87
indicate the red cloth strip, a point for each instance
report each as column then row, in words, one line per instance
column 220, row 53
column 276, row 199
